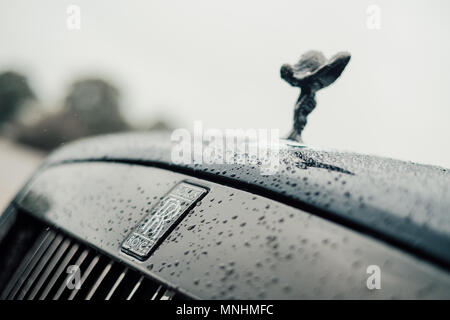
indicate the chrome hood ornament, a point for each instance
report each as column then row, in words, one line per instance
column 311, row 73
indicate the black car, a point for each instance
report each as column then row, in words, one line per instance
column 320, row 227
column 115, row 217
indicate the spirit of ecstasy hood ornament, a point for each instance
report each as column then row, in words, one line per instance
column 311, row 73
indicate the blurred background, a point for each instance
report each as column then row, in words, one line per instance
column 70, row 69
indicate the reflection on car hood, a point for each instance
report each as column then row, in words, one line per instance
column 403, row 203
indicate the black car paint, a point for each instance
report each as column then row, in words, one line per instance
column 232, row 245
column 402, row 203
column 331, row 200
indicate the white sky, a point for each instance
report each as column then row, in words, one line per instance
column 219, row 62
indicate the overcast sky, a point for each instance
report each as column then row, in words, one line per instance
column 219, row 62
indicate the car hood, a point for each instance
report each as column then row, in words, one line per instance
column 402, row 203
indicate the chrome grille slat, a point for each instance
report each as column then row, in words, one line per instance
column 30, row 266
column 135, row 288
column 40, row 266
column 62, row 267
column 49, row 268
column 168, row 295
column 116, row 284
column 156, row 294
column 85, row 275
column 25, row 262
column 63, row 286
column 99, row 280
column 39, row 271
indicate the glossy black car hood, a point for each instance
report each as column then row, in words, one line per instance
column 400, row 202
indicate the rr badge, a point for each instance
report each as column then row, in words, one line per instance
column 164, row 216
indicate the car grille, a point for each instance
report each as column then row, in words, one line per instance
column 47, row 270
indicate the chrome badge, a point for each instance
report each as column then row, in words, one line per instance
column 169, row 210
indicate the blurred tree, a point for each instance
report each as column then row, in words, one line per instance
column 14, row 92
column 90, row 108
column 94, row 103
column 160, row 125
